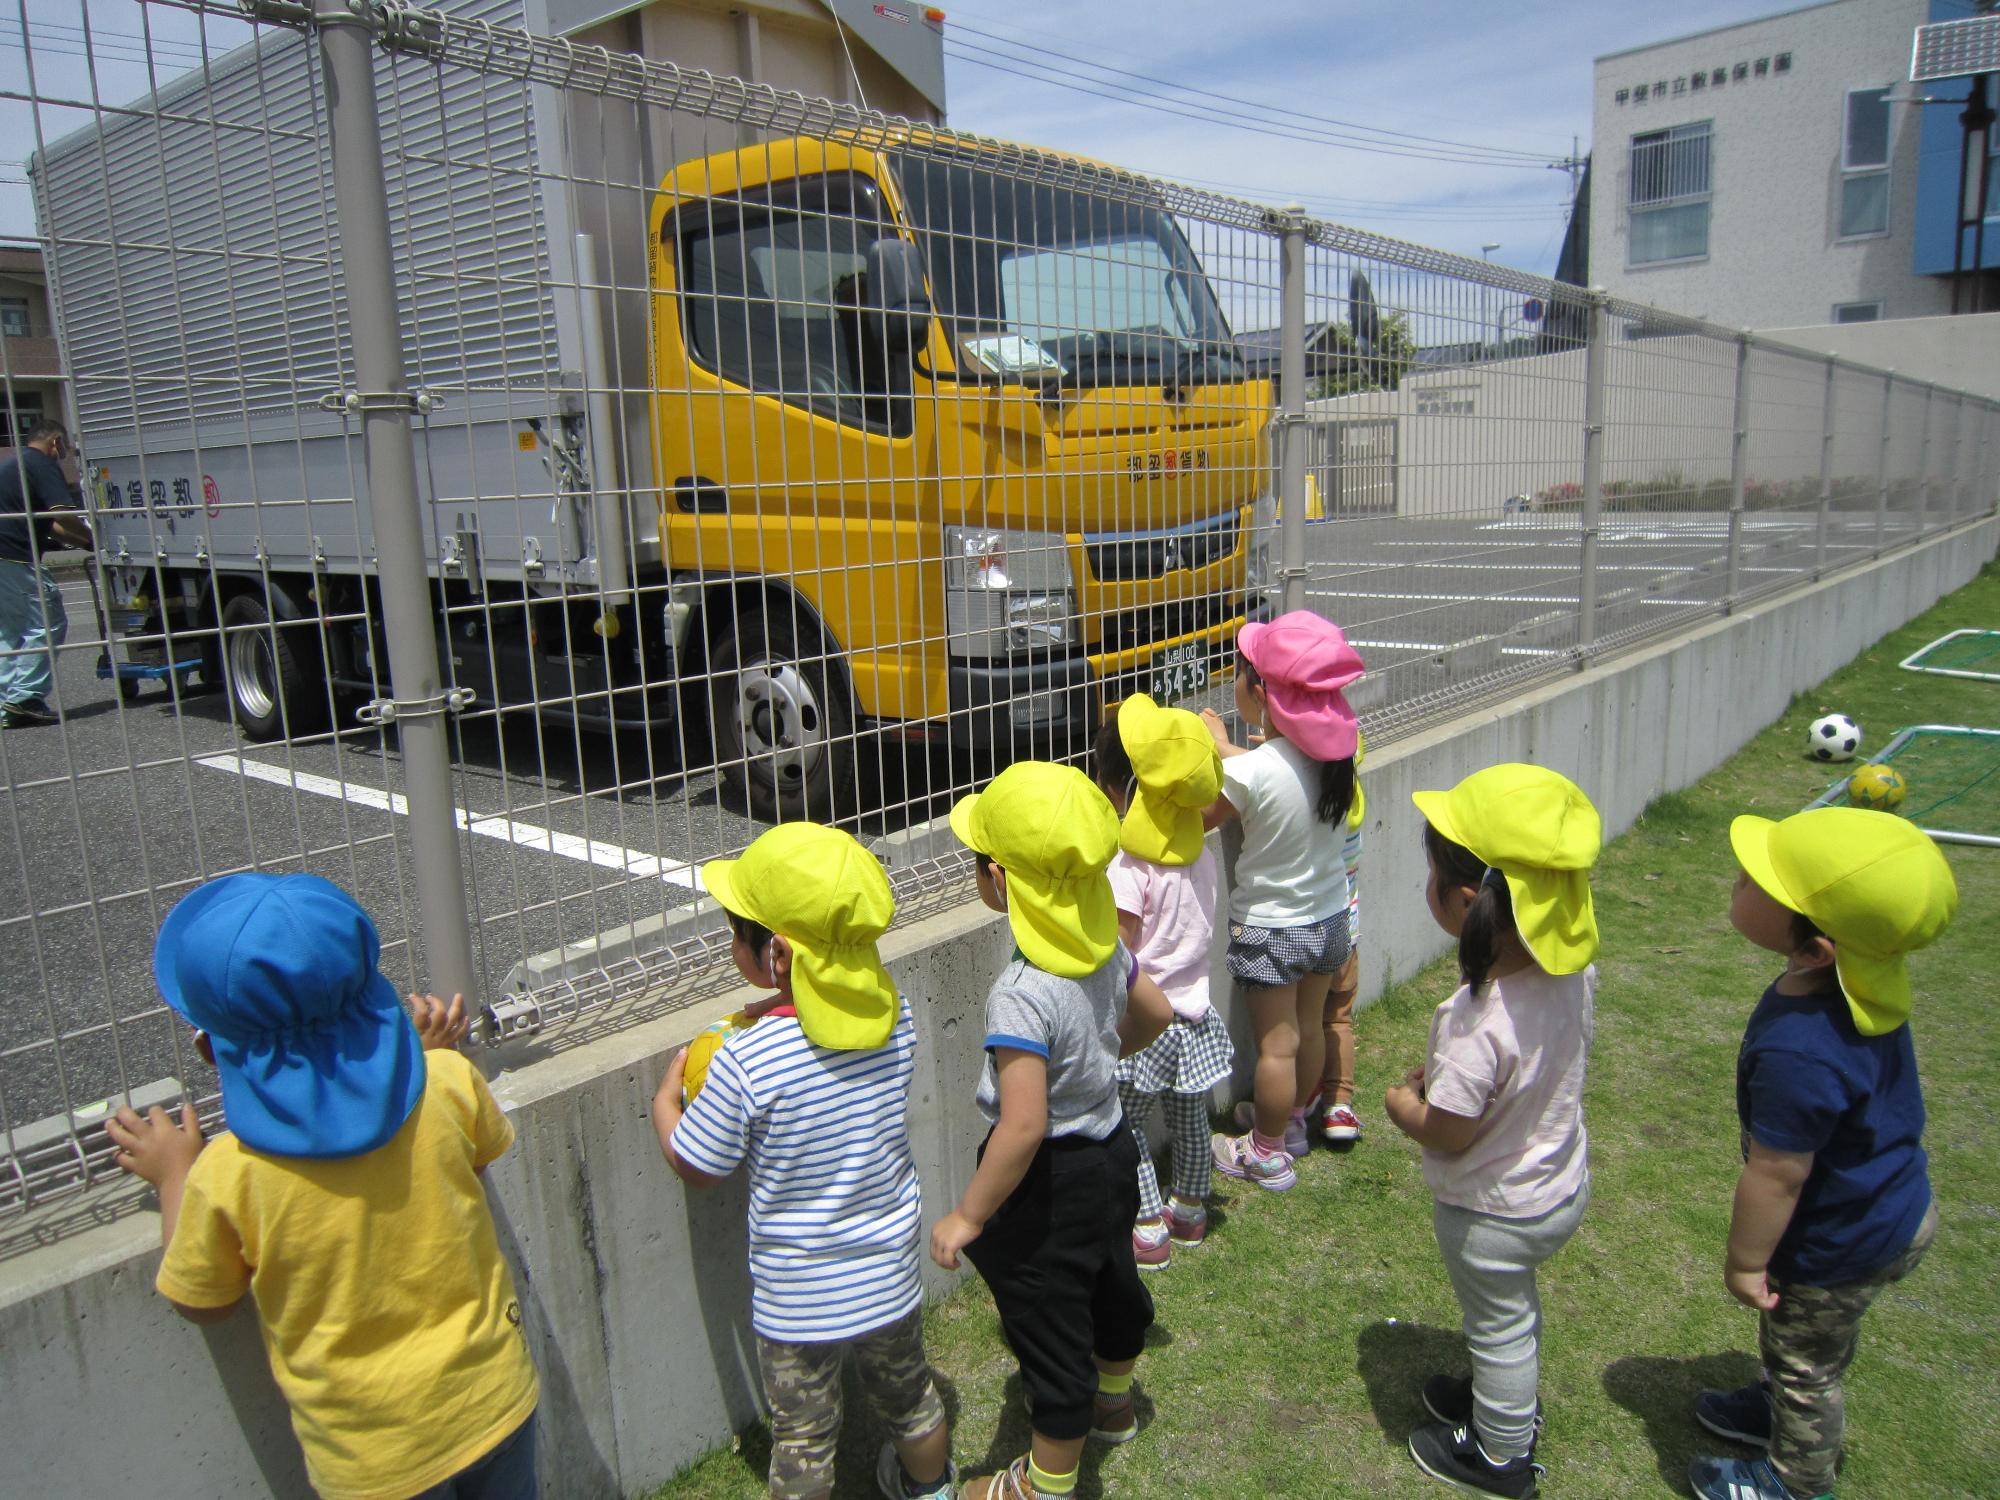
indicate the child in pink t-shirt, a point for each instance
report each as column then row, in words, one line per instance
column 1161, row 770
column 1498, row 1104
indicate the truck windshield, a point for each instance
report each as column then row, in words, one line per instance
column 1044, row 283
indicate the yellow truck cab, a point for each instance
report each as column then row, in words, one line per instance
column 954, row 447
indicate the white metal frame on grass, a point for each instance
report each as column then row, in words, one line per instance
column 1910, row 662
column 1837, row 793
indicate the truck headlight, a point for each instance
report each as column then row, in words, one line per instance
column 1006, row 592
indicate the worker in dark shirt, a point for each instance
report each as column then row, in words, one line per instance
column 39, row 510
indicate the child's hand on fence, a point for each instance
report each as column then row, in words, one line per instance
column 439, row 1025
column 1216, row 727
column 950, row 1235
column 155, row 1148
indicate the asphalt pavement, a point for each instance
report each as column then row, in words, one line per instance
column 116, row 812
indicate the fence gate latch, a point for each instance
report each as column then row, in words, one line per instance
column 360, row 403
column 379, row 711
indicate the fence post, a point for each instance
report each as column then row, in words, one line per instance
column 1593, row 471
column 1291, row 226
column 1882, row 462
column 1958, row 447
column 385, row 404
column 1739, row 443
column 1924, row 468
column 1825, row 468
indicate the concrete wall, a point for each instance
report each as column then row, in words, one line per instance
column 1774, row 248
column 636, row 1292
column 1962, row 353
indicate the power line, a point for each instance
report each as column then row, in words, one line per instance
column 1209, row 115
column 1324, row 121
column 961, row 14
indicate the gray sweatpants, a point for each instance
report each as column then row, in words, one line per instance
column 1492, row 1263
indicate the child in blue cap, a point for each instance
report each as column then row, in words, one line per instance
column 344, row 1198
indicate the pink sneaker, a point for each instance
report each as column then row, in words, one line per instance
column 1151, row 1248
column 1295, row 1128
column 1341, row 1125
column 1186, row 1226
column 1235, row 1157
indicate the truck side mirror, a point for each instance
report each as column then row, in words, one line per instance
column 898, row 307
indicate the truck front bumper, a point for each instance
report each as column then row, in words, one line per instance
column 1051, row 707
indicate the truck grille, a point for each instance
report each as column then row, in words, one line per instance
column 1139, row 628
column 1130, row 559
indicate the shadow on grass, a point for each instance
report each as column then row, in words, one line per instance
column 1660, row 1392
column 1395, row 1361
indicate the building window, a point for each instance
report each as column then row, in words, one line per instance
column 14, row 317
column 1857, row 312
column 1668, row 194
column 20, row 417
column 1864, row 164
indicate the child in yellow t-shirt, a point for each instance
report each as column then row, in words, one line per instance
column 345, row 1198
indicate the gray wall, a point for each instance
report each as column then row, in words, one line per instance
column 1962, row 353
column 1774, row 251
column 637, row 1293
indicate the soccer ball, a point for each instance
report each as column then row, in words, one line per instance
column 1833, row 737
column 1877, row 786
column 702, row 1050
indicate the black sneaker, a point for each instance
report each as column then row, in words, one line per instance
column 29, row 711
column 1742, row 1415
column 1453, row 1455
column 1449, row 1399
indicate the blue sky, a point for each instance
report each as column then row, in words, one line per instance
column 1500, row 78
column 1503, row 77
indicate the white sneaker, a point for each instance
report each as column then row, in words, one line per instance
column 1341, row 1124
column 889, row 1478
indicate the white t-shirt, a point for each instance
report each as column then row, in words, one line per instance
column 835, row 1215
column 1290, row 872
column 1514, row 1057
column 1175, row 905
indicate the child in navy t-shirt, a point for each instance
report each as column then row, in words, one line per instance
column 1834, row 1202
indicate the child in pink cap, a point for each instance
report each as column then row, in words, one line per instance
column 1288, row 935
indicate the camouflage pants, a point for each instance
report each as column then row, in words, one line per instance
column 1808, row 1341
column 802, row 1388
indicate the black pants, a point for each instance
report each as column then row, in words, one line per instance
column 1058, row 1260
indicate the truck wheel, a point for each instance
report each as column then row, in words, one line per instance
column 273, row 675
column 783, row 720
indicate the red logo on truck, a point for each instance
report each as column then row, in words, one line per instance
column 211, row 496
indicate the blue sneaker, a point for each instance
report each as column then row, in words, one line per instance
column 1741, row 1479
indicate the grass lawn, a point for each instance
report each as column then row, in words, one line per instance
column 1290, row 1348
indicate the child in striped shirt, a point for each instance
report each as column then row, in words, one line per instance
column 812, row 1097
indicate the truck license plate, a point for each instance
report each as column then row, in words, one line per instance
column 1180, row 671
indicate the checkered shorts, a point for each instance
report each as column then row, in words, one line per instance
column 1189, row 1057
column 1267, row 957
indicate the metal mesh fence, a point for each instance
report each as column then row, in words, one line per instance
column 521, row 470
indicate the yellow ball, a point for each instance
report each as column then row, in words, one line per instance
column 701, row 1051
column 1877, row 786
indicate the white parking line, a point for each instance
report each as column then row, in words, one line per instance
column 492, row 826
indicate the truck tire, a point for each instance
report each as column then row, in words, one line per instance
column 274, row 676
column 783, row 719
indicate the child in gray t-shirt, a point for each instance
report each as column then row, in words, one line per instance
column 1047, row 1217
